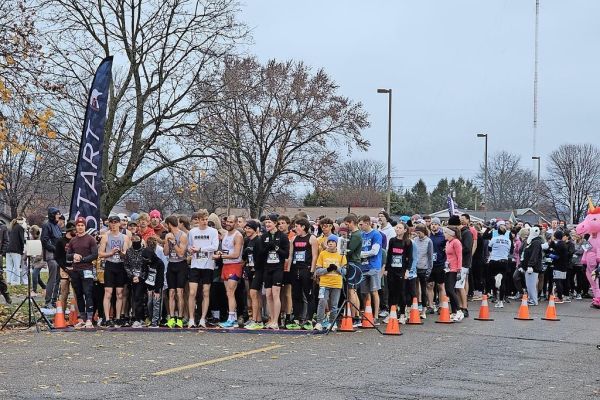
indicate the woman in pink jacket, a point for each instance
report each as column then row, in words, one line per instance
column 453, row 266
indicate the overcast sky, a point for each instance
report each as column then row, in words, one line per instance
column 456, row 68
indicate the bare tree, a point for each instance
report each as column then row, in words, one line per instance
column 163, row 50
column 355, row 183
column 509, row 186
column 277, row 124
column 573, row 175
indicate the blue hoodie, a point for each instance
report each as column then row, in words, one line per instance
column 439, row 246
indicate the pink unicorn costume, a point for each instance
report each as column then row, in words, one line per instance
column 591, row 255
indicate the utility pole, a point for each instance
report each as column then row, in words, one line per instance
column 389, row 166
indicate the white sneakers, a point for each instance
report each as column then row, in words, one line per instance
column 459, row 316
column 499, row 304
column 402, row 319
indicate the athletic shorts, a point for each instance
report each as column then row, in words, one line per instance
column 201, row 276
column 462, row 278
column 437, row 275
column 177, row 274
column 231, row 271
column 256, row 278
column 273, row 277
column 114, row 275
column 371, row 282
column 287, row 277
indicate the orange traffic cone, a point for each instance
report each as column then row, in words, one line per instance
column 551, row 311
column 393, row 327
column 484, row 310
column 346, row 325
column 444, row 312
column 73, row 316
column 414, row 317
column 59, row 317
column 523, row 314
column 367, row 319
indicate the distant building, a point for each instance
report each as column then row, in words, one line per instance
column 520, row 214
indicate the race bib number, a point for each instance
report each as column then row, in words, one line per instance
column 88, row 274
column 396, row 262
column 201, row 256
column 447, row 267
column 434, row 258
column 251, row 260
column 299, row 256
column 273, row 258
column 559, row 274
column 151, row 280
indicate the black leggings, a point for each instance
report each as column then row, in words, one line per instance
column 302, row 285
column 449, row 283
column 138, row 291
column 499, row 267
column 402, row 291
column 422, row 277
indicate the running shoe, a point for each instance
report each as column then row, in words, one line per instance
column 308, row 326
column 430, row 310
column 179, row 322
column 228, row 324
column 80, row 324
column 191, row 324
column 515, row 297
column 356, row 323
column 171, row 322
column 202, row 323
column 255, row 326
column 326, row 324
column 459, row 316
column 386, row 319
column 274, row 326
column 154, row 325
column 137, row 325
column 465, row 312
column 567, row 299
column 88, row 324
column 499, row 304
column 383, row 313
column 292, row 326
column 424, row 314
column 318, row 327
column 402, row 319
column 578, row 297
column 334, row 328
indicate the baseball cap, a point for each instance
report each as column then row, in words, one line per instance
column 80, row 220
column 436, row 220
column 114, row 218
column 70, row 227
column 332, row 238
column 272, row 217
column 154, row 214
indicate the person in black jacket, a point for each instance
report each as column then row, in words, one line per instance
column 137, row 271
column 276, row 247
column 14, row 251
column 3, row 251
column 532, row 263
column 51, row 234
column 560, row 260
column 155, row 280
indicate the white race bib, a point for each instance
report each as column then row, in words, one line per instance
column 250, row 260
column 396, row 262
column 299, row 256
column 273, row 258
column 151, row 280
column 88, row 274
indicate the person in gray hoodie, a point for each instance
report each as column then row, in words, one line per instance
column 424, row 265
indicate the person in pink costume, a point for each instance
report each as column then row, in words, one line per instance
column 591, row 255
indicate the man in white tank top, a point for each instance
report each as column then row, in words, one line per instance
column 231, row 273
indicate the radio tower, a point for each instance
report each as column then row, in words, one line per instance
column 535, row 78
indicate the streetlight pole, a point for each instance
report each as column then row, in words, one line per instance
column 485, row 173
column 539, row 161
column 389, row 166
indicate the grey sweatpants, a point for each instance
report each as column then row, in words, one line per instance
column 531, row 281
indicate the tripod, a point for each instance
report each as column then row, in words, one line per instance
column 346, row 289
column 29, row 300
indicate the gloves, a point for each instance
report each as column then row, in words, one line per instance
column 530, row 270
column 331, row 268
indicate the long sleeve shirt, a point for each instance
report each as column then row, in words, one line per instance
column 454, row 255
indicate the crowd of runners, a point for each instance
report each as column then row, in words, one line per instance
column 291, row 273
